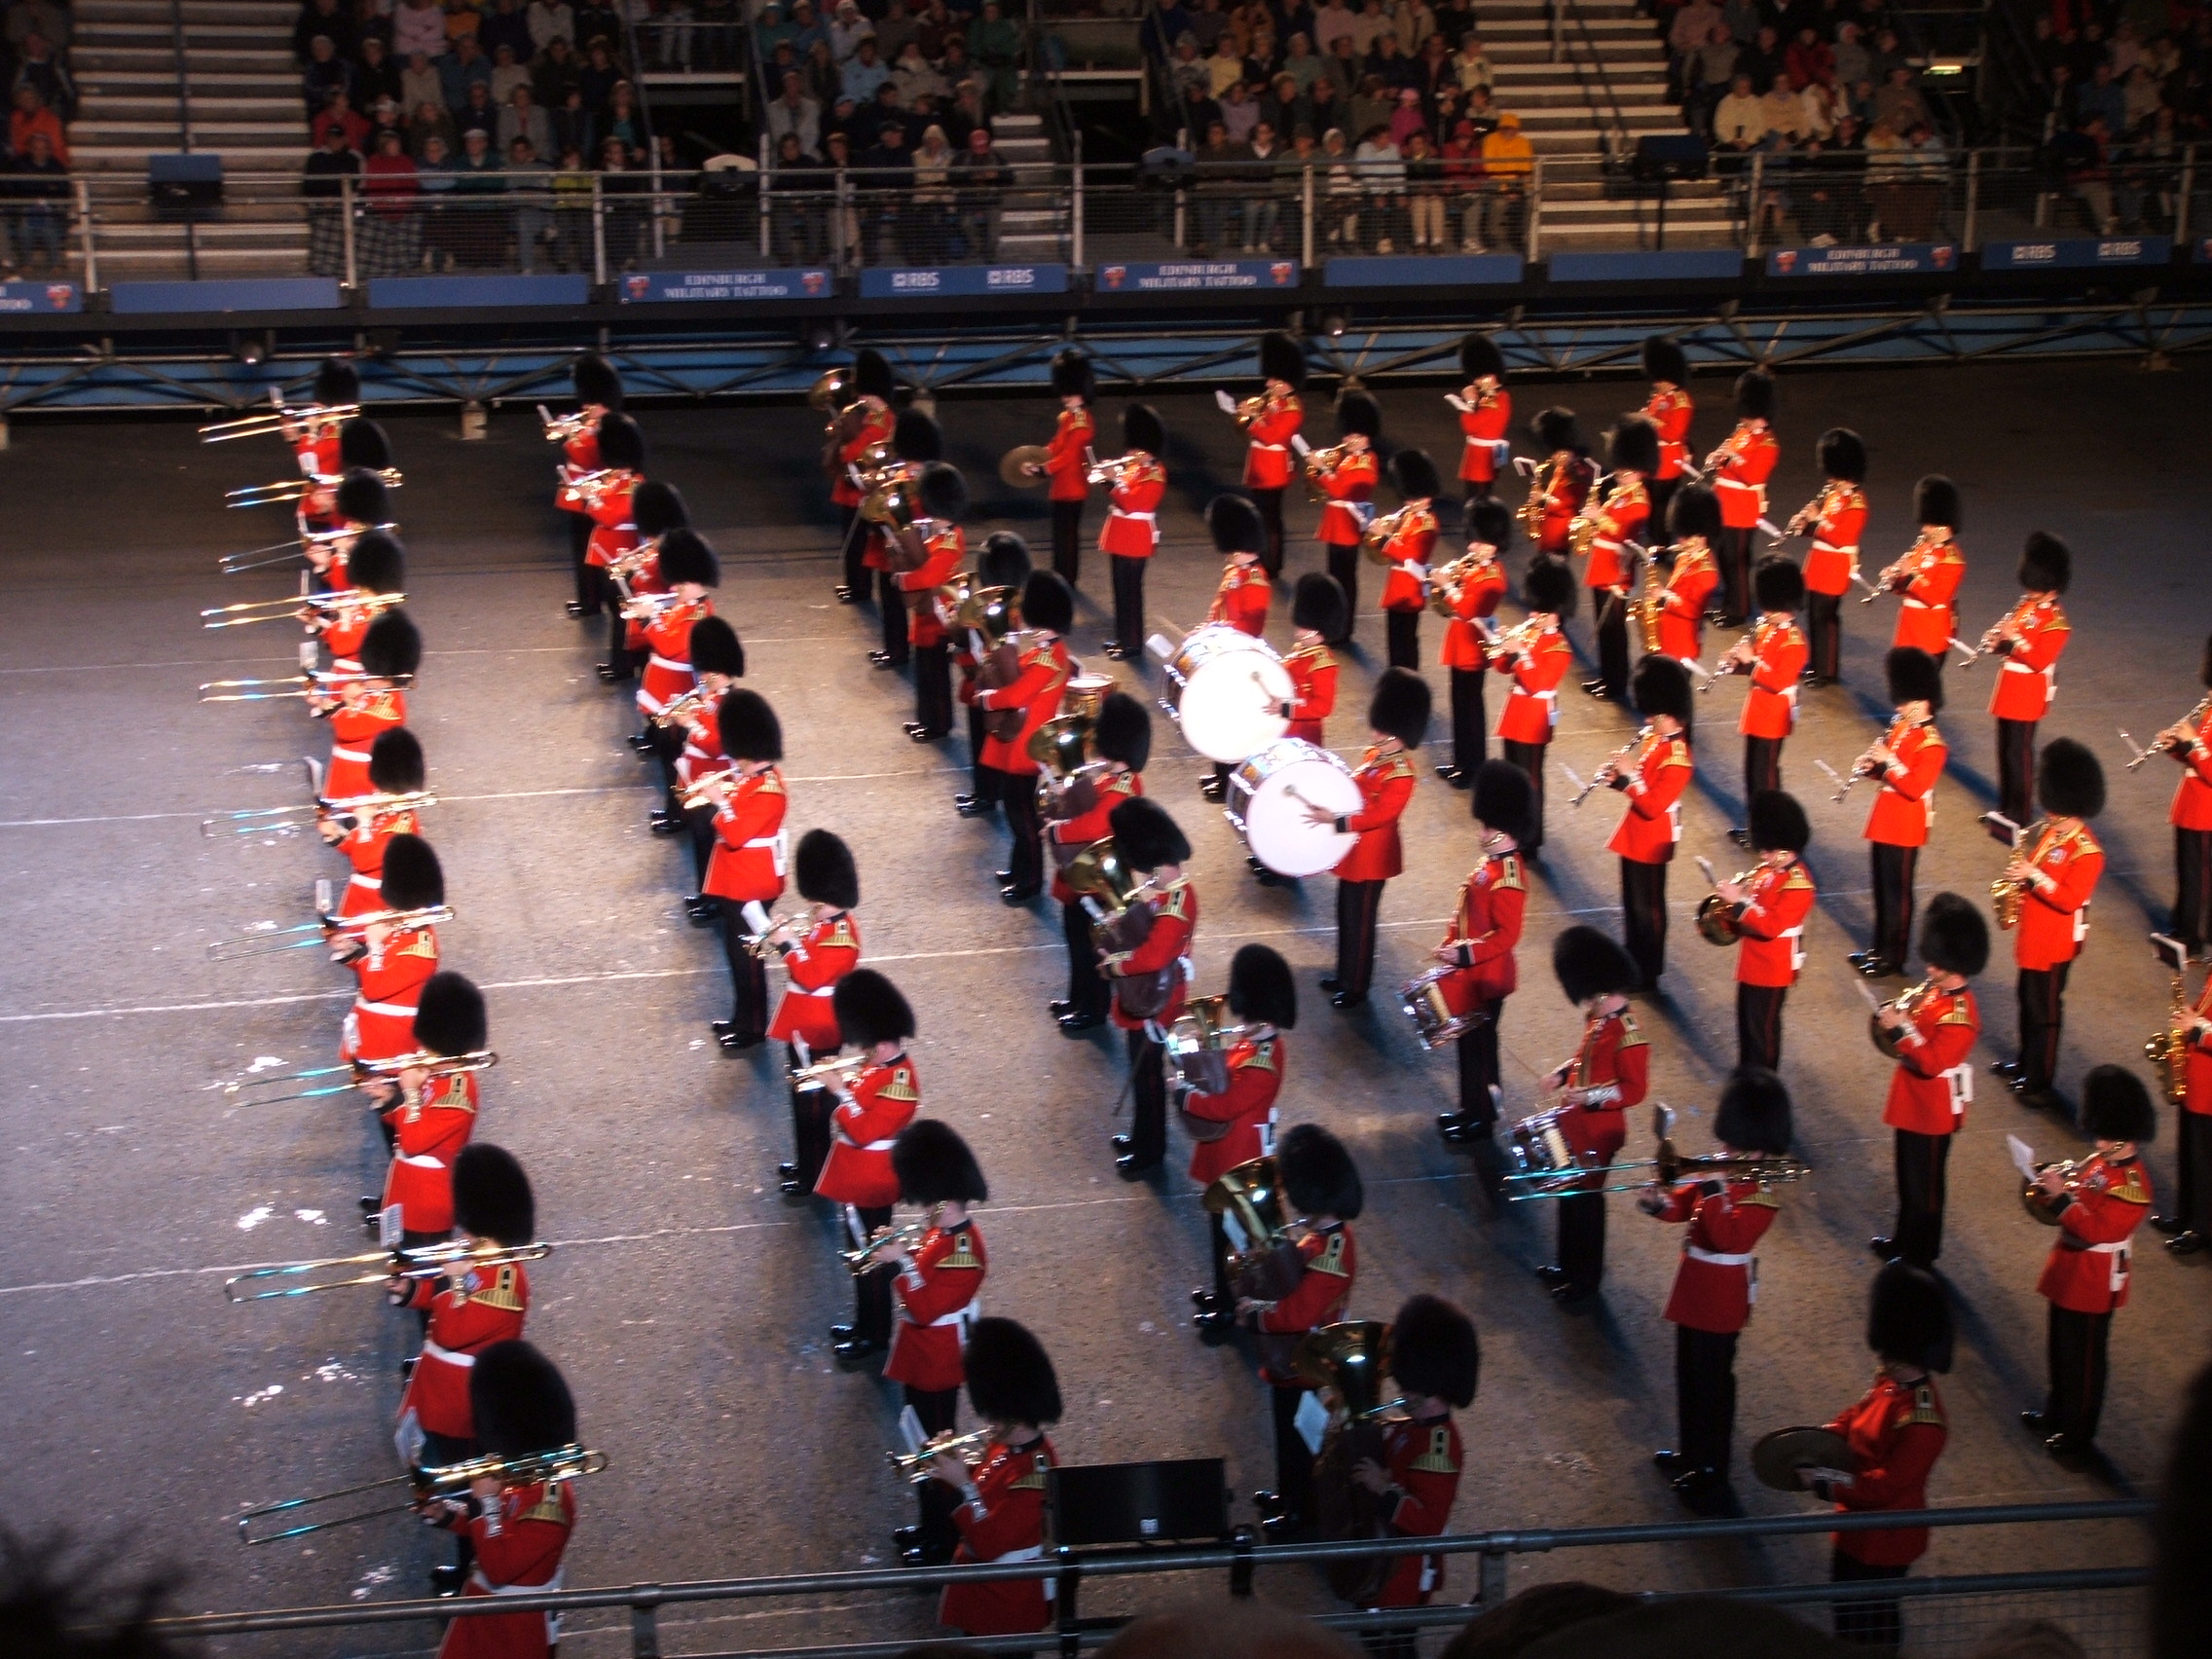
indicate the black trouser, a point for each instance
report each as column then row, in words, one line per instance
column 2193, row 1168
column 1128, row 601
column 1609, row 634
column 1922, row 1166
column 439, row 1450
column 1824, row 634
column 1479, row 1085
column 1025, row 854
column 1148, row 1100
column 1735, row 561
column 1217, row 1239
column 2077, row 1369
column 2043, row 1017
column 1529, row 759
column 2192, row 881
column 890, row 603
column 700, row 820
column 1067, row 540
column 1401, row 632
column 587, row 577
column 668, row 743
column 871, row 1290
column 1892, row 900
column 1358, row 905
column 1643, row 917
column 984, row 781
column 1478, row 491
column 1344, row 565
column 1762, row 766
column 2016, row 769
column 1087, row 992
column 810, row 1126
column 1661, row 491
column 855, row 553
column 1470, row 723
column 1705, row 1396
column 1294, row 1458
column 749, row 974
column 933, row 689
column 1876, row 1623
column 1582, row 1240
column 1269, row 503
column 939, row 1410
column 618, row 653
column 1758, row 1026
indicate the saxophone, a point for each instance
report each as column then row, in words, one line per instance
column 1581, row 537
column 2168, row 1047
column 1643, row 609
column 1530, row 514
column 2005, row 896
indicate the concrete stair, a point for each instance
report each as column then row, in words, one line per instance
column 1033, row 225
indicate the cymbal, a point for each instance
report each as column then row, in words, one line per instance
column 1778, row 1456
column 1021, row 455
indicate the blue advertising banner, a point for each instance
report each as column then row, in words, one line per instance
column 2076, row 252
column 1442, row 270
column 18, row 297
column 1188, row 276
column 647, row 287
column 227, row 294
column 1895, row 259
column 443, row 293
column 1672, row 265
column 961, row 282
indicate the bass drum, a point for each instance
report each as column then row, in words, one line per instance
column 1268, row 798
column 1225, row 688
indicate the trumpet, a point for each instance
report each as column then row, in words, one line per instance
column 277, row 552
column 645, row 607
column 1375, row 540
column 297, row 488
column 1513, row 640
column 2164, row 744
column 592, row 484
column 914, row 1466
column 861, row 1259
column 1245, row 410
column 2041, row 1204
column 559, row 428
column 1319, row 464
column 360, row 1074
column 327, row 930
column 270, row 422
column 427, row 1485
column 830, row 1072
column 317, row 685
column 428, row 1261
column 282, row 609
column 261, row 820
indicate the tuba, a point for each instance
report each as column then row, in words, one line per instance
column 1908, row 1001
column 1348, row 1360
column 1262, row 1256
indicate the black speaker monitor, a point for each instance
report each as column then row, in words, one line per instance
column 1136, row 1503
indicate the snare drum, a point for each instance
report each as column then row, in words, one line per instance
column 1268, row 798
column 1540, row 1153
column 1226, row 689
column 1427, row 1001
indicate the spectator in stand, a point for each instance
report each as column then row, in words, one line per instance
column 341, row 114
column 1898, row 101
column 1324, row 109
column 1222, row 168
column 322, row 183
column 1371, row 106
column 1830, row 191
column 885, row 176
column 1342, row 199
column 929, row 222
column 477, row 110
column 1366, row 25
column 2082, row 160
column 1208, row 23
column 1301, row 62
column 391, row 230
column 432, row 120
column 994, row 46
column 597, row 21
column 1808, row 61
column 325, row 73
column 529, row 183
column 774, row 29
column 1471, row 67
column 623, row 120
column 1382, row 169
column 821, row 75
column 847, row 29
column 1332, row 21
column 434, row 181
column 1783, row 112
column 376, row 75
column 793, row 114
column 1693, row 25
column 1407, row 119
column 598, row 78
column 1852, row 58
column 384, row 118
column 571, row 213
column 322, row 18
column 1480, row 114
column 1262, row 190
column 1186, row 68
column 966, row 112
column 506, row 75
column 554, row 73
column 26, row 18
column 478, row 183
column 1424, row 193
column 1415, row 22
column 523, row 119
column 39, row 68
column 463, row 67
column 1224, row 65
column 863, row 75
column 916, row 77
column 1433, row 68
column 982, row 179
column 1742, row 18
column 673, row 31
column 1195, row 115
column 548, row 20
column 797, row 183
column 507, row 25
column 807, row 27
column 1706, row 79
column 1389, row 64
column 882, row 112
column 420, row 84
column 1738, row 120
column 418, row 25
column 1342, row 65
column 465, row 23
column 38, row 189
column 1508, row 159
column 1460, row 162
column 2103, row 97
column 1239, row 114
column 1761, row 60
column 954, row 64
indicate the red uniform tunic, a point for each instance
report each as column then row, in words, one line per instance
column 1035, row 691
column 1934, row 1082
column 936, row 1303
column 947, row 545
column 1241, row 598
column 1175, row 919
column 1422, row 1457
column 2027, row 679
column 486, row 1306
column 1313, row 668
column 1624, row 517
column 1717, row 1283
column 608, row 506
column 2107, row 1200
column 1466, row 644
column 1531, row 707
column 1897, row 1433
column 1067, row 457
column 668, row 669
column 2055, row 913
column 1671, row 412
column 814, row 962
column 1772, row 950
column 1406, row 587
column 1349, row 485
column 342, row 628
column 1929, row 578
column 2192, row 797
column 1132, row 510
column 1267, row 453
column 381, row 1023
column 1614, row 1062
column 875, row 427
column 1003, row 1523
column 858, row 1170
column 1745, row 462
column 702, row 750
column 2196, row 1083
column 1779, row 656
column 355, row 726
column 430, row 1132
column 1904, row 809
column 1329, row 1262
column 1385, row 780
column 1839, row 519
column 1493, row 901
column 1681, row 602
column 1655, row 778
column 1485, row 426
column 317, row 446
column 1564, row 483
column 364, row 848
column 750, row 841
column 519, row 1541
column 1247, row 1106
column 1078, row 831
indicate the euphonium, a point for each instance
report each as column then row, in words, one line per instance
column 1197, row 1047
column 1248, row 1198
column 2168, row 1047
column 1719, row 922
column 861, row 1259
column 1349, row 1359
column 1105, row 885
column 448, row 1480
column 914, row 1466
column 1375, row 540
column 2005, row 895
column 828, row 392
column 1890, row 1042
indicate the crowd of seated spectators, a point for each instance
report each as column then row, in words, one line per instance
column 34, row 164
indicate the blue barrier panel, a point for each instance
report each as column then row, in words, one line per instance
column 1674, row 264
column 1443, row 271
column 40, row 297
column 1185, row 276
column 964, row 281
column 645, row 287
column 456, row 293
column 2075, row 252
column 1891, row 261
column 227, row 294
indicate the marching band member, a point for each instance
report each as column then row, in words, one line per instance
column 748, row 862
column 1481, row 948
column 1776, row 901
column 1268, row 463
column 1909, row 759
column 1537, row 656
column 916, row 444
column 717, row 658
column 1609, row 1071
column 1562, row 484
column 1323, row 1191
column 1471, row 587
column 1669, row 408
column 360, row 710
column 1693, row 530
column 313, row 433
column 1653, row 777
column 1739, row 470
column 1347, row 475
column 1930, row 573
column 2055, row 870
column 1137, row 481
column 605, row 498
column 2189, row 741
column 1622, row 519
column 599, row 394
column 428, row 1127
column 2190, row 1219
column 1774, row 654
column 874, row 1109
column 1152, row 844
column 2099, row 1203
column 634, row 576
column 1934, row 1026
column 1716, row 1284
column 689, row 573
column 2029, row 640
column 1397, row 719
column 364, row 450
column 1264, row 997
column 363, row 834
column 1067, row 460
column 375, row 564
column 1003, row 564
column 1410, row 545
column 817, row 957
column 1485, row 417
column 1240, row 599
column 1013, row 1389
column 861, row 425
column 1835, row 519
column 943, row 495
column 393, row 960
column 1081, row 813
column 1047, row 609
column 361, row 502
column 1318, row 615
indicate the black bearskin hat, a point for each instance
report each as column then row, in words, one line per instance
column 1661, row 685
column 1778, row 824
column 822, row 865
column 1005, row 560
column 916, row 436
column 1318, row 1174
column 1754, row 394
column 1695, row 511
column 450, row 1018
column 1145, row 835
column 1045, row 603
column 1072, row 375
column 363, row 498
column 622, row 444
column 1590, row 964
column 395, row 761
column 1143, row 430
column 1282, row 358
column 656, row 508
column 2205, row 663
column 1910, row 1320
column 1549, row 587
column 2069, row 781
column 596, row 380
column 1843, row 454
column 1479, row 357
column 1414, row 475
column 413, row 880
column 391, row 647
column 336, row 383
column 1504, row 799
column 1778, row 584
column 1235, row 525
column 1555, row 428
column 1491, row 524
column 1356, row 412
column 1664, row 359
column 1633, row 445
column 1123, row 732
column 1009, row 1375
column 685, row 558
column 943, row 491
column 934, row 1165
column 520, row 1401
column 1953, row 937
column 1754, row 1115
column 377, row 562
column 2117, row 1107
column 748, row 728
column 1400, row 705
column 1936, row 501
column 1319, row 603
column 1261, row 987
column 2047, row 564
column 871, row 374
column 1913, row 677
column 361, row 442
column 491, row 1194
column 1433, row 1350
column 870, row 1010
column 715, row 648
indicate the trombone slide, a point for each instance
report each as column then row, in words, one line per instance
column 428, row 1262
column 322, row 931
column 270, row 423
column 448, row 1480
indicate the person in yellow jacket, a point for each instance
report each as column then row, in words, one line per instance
column 1508, row 159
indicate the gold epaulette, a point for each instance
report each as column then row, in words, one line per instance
column 1331, row 1260
column 900, row 1085
column 1677, row 755
column 842, row 932
column 1631, row 1037
column 451, row 1095
column 1923, row 1408
column 1799, row 877
column 1438, row 1458
column 548, row 1508
column 1174, row 902
column 1509, row 874
column 1319, row 648
column 500, row 1293
column 2132, row 1188
column 1034, row 1480
column 1263, row 1056
column 1761, row 1198
column 1960, row 1013
column 421, row 941
column 1401, row 766
column 771, row 782
column 963, row 1253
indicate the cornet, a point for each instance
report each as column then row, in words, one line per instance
column 862, row 1259
column 830, row 1073
column 270, row 423
column 756, row 944
column 261, row 820
column 914, row 1466
column 297, row 488
column 318, row 685
column 284, row 609
column 326, row 931
column 427, row 1262
column 591, row 486
column 645, row 607
column 450, row 1480
column 700, row 790
column 359, row 1074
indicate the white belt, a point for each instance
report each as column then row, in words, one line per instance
column 802, row 991
column 1035, row 1552
column 1117, row 512
column 762, row 841
column 1418, row 572
column 874, row 1146
column 419, row 1163
column 1820, row 546
column 1737, row 484
column 360, row 754
column 431, row 1350
column 1540, row 696
column 345, row 665
column 480, row 1582
column 374, row 883
column 1272, row 449
column 1718, row 1258
column 1922, row 605
column 1792, row 933
column 2117, row 1248
column 391, row 1010
column 656, row 660
column 2012, row 666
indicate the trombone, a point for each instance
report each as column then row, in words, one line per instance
column 277, row 552
column 1770, row 1167
column 318, row 684
column 323, row 932
column 262, row 820
column 297, row 488
column 426, row 1485
column 914, row 1466
column 282, row 609
column 362, row 1073
column 270, row 422
column 861, row 1260
column 425, row 1261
